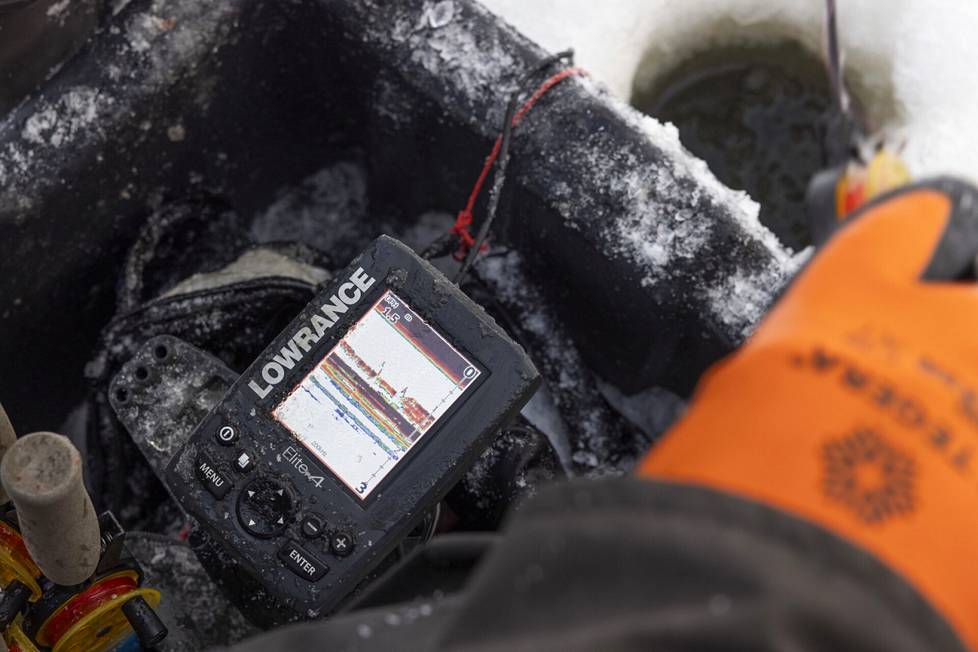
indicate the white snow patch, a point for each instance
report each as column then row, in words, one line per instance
column 144, row 29
column 61, row 122
column 739, row 204
column 740, row 300
column 799, row 259
column 649, row 235
column 440, row 14
column 155, row 37
column 58, row 10
column 176, row 133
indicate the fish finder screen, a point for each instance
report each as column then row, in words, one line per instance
column 376, row 394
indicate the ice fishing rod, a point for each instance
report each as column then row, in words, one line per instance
column 69, row 582
column 834, row 57
column 843, row 132
column 853, row 175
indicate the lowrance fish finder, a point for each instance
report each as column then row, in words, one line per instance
column 354, row 422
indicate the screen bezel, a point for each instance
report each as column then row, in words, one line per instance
column 322, row 348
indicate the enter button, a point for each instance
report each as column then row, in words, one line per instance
column 301, row 562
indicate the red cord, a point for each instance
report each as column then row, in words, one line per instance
column 464, row 219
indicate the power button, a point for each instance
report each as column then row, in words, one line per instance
column 226, row 435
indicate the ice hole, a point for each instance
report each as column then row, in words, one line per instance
column 757, row 114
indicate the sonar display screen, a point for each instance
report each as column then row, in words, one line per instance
column 376, row 394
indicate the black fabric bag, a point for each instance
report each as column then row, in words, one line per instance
column 233, row 321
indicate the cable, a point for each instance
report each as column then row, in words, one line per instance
column 834, row 57
column 501, row 149
column 472, row 246
column 432, row 523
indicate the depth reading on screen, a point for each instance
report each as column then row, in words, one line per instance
column 376, row 393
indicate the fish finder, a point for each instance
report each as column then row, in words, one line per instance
column 349, row 427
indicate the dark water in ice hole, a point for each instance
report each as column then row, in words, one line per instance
column 756, row 115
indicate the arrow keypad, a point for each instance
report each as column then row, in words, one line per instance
column 264, row 508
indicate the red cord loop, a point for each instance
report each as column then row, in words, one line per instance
column 464, row 220
column 465, row 238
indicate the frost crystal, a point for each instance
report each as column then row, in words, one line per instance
column 441, row 14
column 446, row 46
column 59, row 123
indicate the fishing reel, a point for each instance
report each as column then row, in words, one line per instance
column 110, row 609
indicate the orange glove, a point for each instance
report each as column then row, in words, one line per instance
column 855, row 404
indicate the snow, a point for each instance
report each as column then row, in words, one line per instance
column 58, row 123
column 909, row 69
column 741, row 207
column 66, row 120
column 440, row 14
column 910, row 59
column 176, row 133
column 741, row 301
column 57, row 10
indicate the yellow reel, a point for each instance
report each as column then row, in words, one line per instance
column 105, row 627
column 12, row 567
column 15, row 562
column 17, row 640
column 93, row 620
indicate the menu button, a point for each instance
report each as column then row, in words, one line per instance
column 212, row 479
